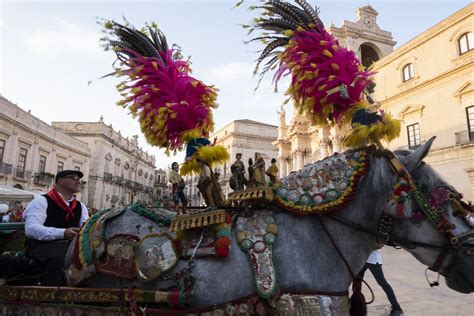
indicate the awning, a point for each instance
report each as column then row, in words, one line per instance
column 8, row 193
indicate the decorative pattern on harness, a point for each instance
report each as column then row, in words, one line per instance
column 216, row 242
column 255, row 235
column 436, row 217
column 154, row 255
column 90, row 244
column 324, row 186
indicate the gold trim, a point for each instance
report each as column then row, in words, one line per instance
column 82, row 295
column 207, row 218
column 251, row 194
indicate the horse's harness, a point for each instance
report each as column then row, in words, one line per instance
column 435, row 216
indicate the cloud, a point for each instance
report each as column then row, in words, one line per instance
column 64, row 38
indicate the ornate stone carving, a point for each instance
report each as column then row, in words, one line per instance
column 79, row 127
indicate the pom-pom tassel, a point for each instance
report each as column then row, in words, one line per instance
column 358, row 303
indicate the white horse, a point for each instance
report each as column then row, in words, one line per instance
column 321, row 254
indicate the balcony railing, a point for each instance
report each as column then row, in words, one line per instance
column 5, row 169
column 137, row 186
column 43, row 178
column 115, row 199
column 128, row 183
column 118, row 180
column 108, row 177
column 464, row 137
column 160, row 183
column 21, row 175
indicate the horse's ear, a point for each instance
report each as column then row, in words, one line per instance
column 414, row 159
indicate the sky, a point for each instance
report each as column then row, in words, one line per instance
column 50, row 51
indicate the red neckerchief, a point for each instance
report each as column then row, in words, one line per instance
column 59, row 200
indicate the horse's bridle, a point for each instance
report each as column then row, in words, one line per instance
column 436, row 218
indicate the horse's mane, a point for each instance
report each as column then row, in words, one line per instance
column 380, row 178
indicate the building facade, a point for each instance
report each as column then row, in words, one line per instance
column 300, row 143
column 246, row 137
column 32, row 152
column 162, row 191
column 428, row 83
column 120, row 171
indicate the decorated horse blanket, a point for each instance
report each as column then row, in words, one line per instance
column 143, row 251
column 324, row 186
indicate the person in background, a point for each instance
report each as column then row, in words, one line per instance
column 374, row 264
column 178, row 185
column 52, row 220
column 208, row 185
column 16, row 213
column 272, row 171
column 259, row 170
column 4, row 217
column 237, row 180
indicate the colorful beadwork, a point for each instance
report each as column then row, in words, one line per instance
column 322, row 187
column 256, row 235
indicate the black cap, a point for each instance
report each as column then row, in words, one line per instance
column 65, row 173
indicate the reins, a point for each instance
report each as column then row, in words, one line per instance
column 410, row 244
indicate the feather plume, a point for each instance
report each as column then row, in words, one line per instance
column 328, row 83
column 171, row 105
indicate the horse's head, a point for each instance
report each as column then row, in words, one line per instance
column 430, row 221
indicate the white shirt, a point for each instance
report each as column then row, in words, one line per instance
column 375, row 257
column 35, row 216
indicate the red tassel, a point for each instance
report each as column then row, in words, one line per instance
column 358, row 303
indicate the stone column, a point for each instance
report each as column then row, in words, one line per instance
column 323, row 147
column 337, row 143
column 324, row 141
column 282, row 163
column 299, row 160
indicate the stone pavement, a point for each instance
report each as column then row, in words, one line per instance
column 406, row 275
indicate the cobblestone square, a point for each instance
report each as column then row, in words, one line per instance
column 406, row 275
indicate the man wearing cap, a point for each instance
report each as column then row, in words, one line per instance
column 52, row 220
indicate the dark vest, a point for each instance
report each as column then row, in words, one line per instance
column 56, row 216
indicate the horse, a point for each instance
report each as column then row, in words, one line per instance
column 320, row 254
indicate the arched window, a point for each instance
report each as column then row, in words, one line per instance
column 368, row 55
column 466, row 42
column 408, row 72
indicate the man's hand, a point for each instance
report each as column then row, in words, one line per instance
column 71, row 232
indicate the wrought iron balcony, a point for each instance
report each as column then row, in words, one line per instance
column 115, row 199
column 118, row 180
column 21, row 175
column 136, row 185
column 5, row 169
column 43, row 178
column 464, row 137
column 108, row 177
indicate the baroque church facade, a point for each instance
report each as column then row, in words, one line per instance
column 300, row 143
